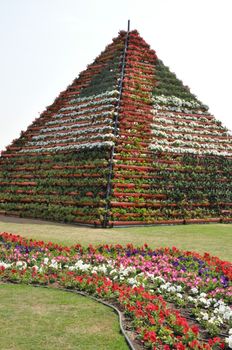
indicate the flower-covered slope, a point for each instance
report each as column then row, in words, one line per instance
column 126, row 143
column 173, row 299
column 58, row 168
column 173, row 162
column 84, row 116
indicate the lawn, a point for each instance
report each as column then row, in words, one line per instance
column 38, row 318
column 32, row 318
column 215, row 239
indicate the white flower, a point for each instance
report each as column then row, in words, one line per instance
column 222, row 309
column 194, row 290
column 172, row 289
column 80, row 265
column 158, row 278
column 204, row 301
column 46, row 261
column 133, row 282
column 54, row 264
column 227, row 315
column 212, row 319
column 205, row 316
column 229, row 341
column 203, row 295
column 21, row 265
column 5, row 265
column 102, row 268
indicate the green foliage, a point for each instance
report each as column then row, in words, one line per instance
column 168, row 84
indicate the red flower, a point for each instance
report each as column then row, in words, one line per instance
column 180, row 346
column 195, row 330
column 193, row 344
column 150, row 336
column 151, row 307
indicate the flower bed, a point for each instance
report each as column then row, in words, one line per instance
column 173, row 299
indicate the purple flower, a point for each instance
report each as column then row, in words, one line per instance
column 224, row 281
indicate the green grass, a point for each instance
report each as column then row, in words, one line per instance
column 213, row 238
column 36, row 318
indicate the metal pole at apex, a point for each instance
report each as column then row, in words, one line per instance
column 128, row 25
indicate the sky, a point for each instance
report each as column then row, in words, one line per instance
column 45, row 44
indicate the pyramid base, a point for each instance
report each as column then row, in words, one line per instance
column 118, row 224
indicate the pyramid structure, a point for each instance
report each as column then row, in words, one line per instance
column 126, row 143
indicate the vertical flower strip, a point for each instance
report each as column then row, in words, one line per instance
column 132, row 277
column 132, row 162
column 117, row 108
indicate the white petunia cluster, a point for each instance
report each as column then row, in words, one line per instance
column 160, row 148
column 5, row 265
column 91, row 103
column 163, row 120
column 183, row 136
column 86, row 145
column 178, row 129
column 98, row 96
column 89, row 114
column 21, row 265
column 72, row 140
column 176, row 101
column 47, row 132
column 229, row 339
column 74, row 133
column 171, row 288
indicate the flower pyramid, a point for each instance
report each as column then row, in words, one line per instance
column 125, row 143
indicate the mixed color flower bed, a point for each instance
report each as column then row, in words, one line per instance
column 174, row 299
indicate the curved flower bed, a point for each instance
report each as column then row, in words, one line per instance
column 174, row 299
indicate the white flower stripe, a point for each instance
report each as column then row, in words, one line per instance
column 176, row 101
column 73, row 132
column 160, row 148
column 190, row 123
column 181, row 143
column 73, row 120
column 179, row 109
column 180, row 135
column 108, row 107
column 71, row 139
column 87, row 145
column 89, row 104
column 187, row 130
column 89, row 98
column 197, row 118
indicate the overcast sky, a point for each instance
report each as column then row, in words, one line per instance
column 46, row 43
